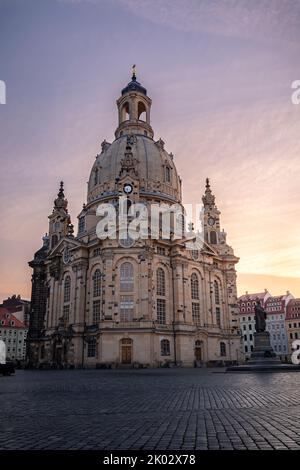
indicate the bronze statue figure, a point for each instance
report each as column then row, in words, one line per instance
column 260, row 318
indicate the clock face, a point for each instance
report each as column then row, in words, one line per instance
column 211, row 221
column 127, row 188
column 66, row 255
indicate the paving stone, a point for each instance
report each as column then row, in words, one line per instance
column 149, row 409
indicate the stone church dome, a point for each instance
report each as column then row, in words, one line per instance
column 154, row 167
column 151, row 164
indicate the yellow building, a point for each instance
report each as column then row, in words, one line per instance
column 146, row 302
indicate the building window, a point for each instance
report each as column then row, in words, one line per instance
column 180, row 225
column 126, row 308
column 160, row 282
column 222, row 349
column 67, row 289
column 81, row 224
column 165, row 347
column 196, row 312
column 217, row 292
column 195, row 286
column 92, row 346
column 96, row 177
column 161, row 311
column 66, row 313
column 246, row 349
column 97, row 283
column 168, row 174
column 161, row 251
column 54, row 241
column 126, row 277
column 218, row 316
column 96, row 311
column 213, row 238
column 56, row 225
column 97, row 252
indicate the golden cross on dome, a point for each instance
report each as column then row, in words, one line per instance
column 133, row 72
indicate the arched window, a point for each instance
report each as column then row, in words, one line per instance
column 217, row 292
column 195, row 297
column 161, row 293
column 142, row 111
column 97, row 283
column 160, row 282
column 168, row 174
column 54, row 241
column 222, row 349
column 67, row 289
column 165, row 347
column 126, row 277
column 195, row 286
column 213, row 238
column 125, row 112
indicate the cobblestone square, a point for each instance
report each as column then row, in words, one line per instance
column 165, row 409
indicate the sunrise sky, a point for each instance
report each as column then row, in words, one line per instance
column 219, row 74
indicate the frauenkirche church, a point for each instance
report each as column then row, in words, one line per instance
column 142, row 303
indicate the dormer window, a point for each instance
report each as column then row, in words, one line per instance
column 81, row 224
column 167, row 174
column 96, row 177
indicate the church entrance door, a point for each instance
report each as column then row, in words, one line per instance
column 126, row 351
column 198, row 351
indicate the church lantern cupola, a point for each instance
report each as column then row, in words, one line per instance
column 211, row 217
column 134, row 110
column 59, row 220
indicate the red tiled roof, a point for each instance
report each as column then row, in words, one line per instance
column 7, row 318
column 275, row 298
column 245, row 297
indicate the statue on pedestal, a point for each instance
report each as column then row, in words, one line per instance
column 260, row 318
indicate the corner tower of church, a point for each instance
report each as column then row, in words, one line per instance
column 137, row 302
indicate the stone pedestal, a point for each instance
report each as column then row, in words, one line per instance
column 263, row 358
column 263, row 353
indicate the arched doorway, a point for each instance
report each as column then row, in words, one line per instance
column 198, row 351
column 126, row 351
